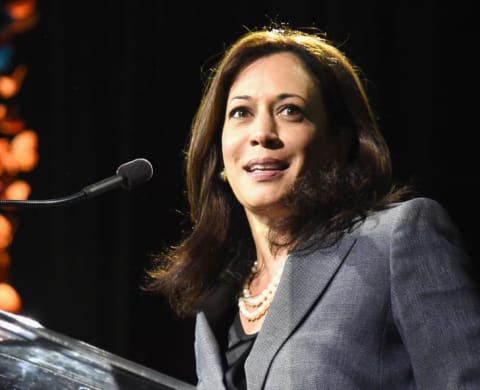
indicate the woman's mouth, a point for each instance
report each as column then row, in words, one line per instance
column 265, row 168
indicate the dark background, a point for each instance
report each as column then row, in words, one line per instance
column 110, row 81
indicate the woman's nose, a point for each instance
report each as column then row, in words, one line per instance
column 265, row 133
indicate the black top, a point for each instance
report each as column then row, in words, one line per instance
column 239, row 345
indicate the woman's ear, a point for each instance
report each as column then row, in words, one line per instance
column 222, row 175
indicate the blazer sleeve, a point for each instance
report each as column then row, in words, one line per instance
column 435, row 299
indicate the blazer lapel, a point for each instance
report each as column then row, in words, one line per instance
column 305, row 276
column 208, row 359
column 208, row 355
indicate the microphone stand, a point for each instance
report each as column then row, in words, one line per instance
column 86, row 193
column 128, row 175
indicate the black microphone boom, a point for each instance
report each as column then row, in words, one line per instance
column 128, row 176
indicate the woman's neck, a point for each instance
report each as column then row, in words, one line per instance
column 267, row 260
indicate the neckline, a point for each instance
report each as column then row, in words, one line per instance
column 237, row 323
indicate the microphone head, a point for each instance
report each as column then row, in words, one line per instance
column 135, row 172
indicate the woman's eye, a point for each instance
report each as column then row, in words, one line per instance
column 291, row 110
column 238, row 113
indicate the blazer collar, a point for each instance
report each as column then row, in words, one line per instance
column 305, row 276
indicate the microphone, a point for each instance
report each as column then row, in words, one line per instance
column 128, row 176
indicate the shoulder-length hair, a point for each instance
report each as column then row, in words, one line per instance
column 219, row 246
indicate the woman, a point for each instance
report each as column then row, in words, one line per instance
column 306, row 266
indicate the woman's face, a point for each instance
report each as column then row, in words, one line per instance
column 275, row 129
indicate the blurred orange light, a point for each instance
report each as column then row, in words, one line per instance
column 18, row 146
column 9, row 299
column 9, row 85
column 6, row 232
column 21, row 9
column 24, row 150
column 19, row 189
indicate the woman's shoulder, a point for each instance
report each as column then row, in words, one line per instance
column 418, row 214
column 411, row 210
column 423, row 207
column 419, row 202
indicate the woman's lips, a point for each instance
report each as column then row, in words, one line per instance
column 265, row 168
column 263, row 164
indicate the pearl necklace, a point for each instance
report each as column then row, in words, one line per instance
column 255, row 307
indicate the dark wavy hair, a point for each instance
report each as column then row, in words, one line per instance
column 327, row 202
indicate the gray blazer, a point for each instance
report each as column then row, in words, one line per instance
column 392, row 305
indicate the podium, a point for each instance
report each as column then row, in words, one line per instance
column 36, row 358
